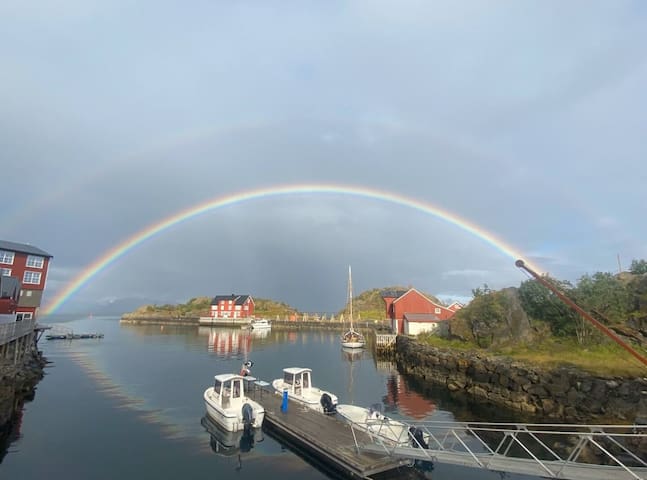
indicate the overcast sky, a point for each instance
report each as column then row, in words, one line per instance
column 528, row 119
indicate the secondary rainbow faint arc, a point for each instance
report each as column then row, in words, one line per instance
column 141, row 236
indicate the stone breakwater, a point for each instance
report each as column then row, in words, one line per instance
column 564, row 394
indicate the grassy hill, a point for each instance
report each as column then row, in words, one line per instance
column 367, row 305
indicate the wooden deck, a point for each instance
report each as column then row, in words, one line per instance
column 324, row 439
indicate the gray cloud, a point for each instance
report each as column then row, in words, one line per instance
column 526, row 120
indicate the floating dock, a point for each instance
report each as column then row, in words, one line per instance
column 73, row 336
column 325, row 440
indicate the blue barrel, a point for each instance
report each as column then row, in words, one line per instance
column 284, row 404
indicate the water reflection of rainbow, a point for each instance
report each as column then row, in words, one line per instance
column 151, row 231
column 170, row 430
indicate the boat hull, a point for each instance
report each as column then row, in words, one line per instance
column 392, row 432
column 231, row 419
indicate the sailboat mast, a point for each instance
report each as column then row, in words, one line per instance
column 350, row 296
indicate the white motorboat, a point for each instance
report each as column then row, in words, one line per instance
column 260, row 324
column 298, row 383
column 351, row 338
column 228, row 405
column 385, row 429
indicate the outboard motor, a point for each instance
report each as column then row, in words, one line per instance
column 248, row 417
column 326, row 403
column 417, row 438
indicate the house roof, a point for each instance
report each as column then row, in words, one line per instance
column 393, row 293
column 237, row 299
column 23, row 248
column 422, row 295
column 422, row 317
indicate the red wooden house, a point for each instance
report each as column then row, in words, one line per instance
column 232, row 306
column 28, row 265
column 402, row 303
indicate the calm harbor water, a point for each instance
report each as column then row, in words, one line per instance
column 130, row 405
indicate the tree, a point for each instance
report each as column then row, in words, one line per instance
column 603, row 294
column 638, row 267
column 542, row 304
column 484, row 314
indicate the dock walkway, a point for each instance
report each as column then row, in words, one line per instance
column 325, row 439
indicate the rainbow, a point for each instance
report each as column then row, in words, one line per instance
column 145, row 234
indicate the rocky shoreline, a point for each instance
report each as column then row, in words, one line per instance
column 565, row 394
column 17, row 385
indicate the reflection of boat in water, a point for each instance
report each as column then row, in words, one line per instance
column 230, row 443
column 261, row 332
column 352, row 354
column 227, row 404
column 298, row 383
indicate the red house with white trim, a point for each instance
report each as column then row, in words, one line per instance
column 406, row 307
column 28, row 264
column 232, row 306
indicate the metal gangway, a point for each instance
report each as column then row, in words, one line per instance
column 575, row 452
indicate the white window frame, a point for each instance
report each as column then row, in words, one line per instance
column 7, row 257
column 437, row 310
column 31, row 275
column 35, row 261
column 5, row 272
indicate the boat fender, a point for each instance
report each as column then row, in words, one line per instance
column 326, row 403
column 248, row 415
column 417, row 438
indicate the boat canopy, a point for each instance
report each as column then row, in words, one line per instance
column 297, row 376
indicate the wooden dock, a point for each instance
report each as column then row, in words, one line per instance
column 385, row 341
column 325, row 440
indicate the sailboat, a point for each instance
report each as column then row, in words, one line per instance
column 352, row 338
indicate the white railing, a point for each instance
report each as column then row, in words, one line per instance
column 544, row 450
column 14, row 330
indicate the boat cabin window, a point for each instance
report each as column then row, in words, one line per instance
column 217, row 387
column 288, row 378
column 306, row 379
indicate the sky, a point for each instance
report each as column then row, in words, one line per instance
column 525, row 119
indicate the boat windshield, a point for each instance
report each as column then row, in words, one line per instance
column 217, row 387
column 306, row 379
column 288, row 378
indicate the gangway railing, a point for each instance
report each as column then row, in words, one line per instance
column 575, row 452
